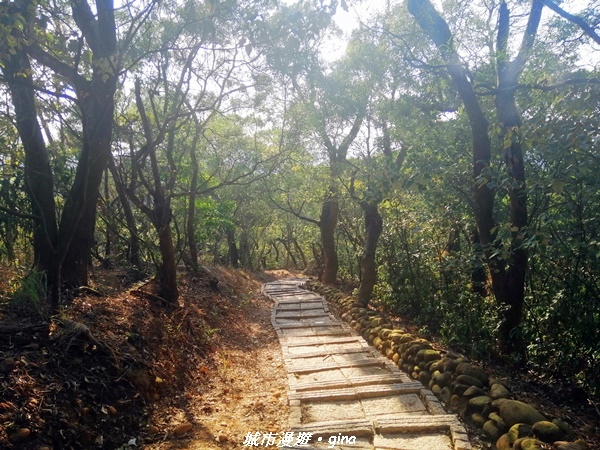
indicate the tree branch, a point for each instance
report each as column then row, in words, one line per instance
column 589, row 30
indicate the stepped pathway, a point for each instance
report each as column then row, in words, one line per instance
column 343, row 394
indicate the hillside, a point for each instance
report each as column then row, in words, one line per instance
column 118, row 371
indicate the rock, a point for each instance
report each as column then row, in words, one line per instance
column 459, row 404
column 469, row 380
column 449, row 364
column 547, row 431
column 519, row 431
column 446, row 394
column 474, row 391
column 582, row 444
column 564, row 445
column 434, row 366
column 221, row 437
column 428, row 355
column 437, row 390
column 514, row 411
column 498, row 391
column 480, row 403
column 20, row 435
column 499, row 422
column 424, row 378
column 460, row 389
column 564, row 426
column 517, row 444
column 491, row 429
column 503, row 443
column 496, row 403
column 473, row 371
column 478, row 420
column 181, row 430
column 531, row 444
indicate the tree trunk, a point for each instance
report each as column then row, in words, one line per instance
column 512, row 299
column 167, row 271
column 191, row 213
column 508, row 286
column 39, row 180
column 76, row 235
column 245, row 253
column 289, row 253
column 478, row 274
column 134, row 241
column 368, row 267
column 327, row 224
column 97, row 104
column 232, row 250
column 300, row 252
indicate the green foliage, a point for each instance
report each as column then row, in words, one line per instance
column 424, row 281
column 30, row 295
column 214, row 217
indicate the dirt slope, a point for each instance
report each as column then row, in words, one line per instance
column 118, row 371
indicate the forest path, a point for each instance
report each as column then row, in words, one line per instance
column 342, row 393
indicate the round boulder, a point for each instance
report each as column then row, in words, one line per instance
column 514, row 411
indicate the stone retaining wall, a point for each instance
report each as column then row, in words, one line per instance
column 461, row 385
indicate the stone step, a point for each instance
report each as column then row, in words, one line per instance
column 306, row 314
column 366, row 380
column 359, row 392
column 302, row 368
column 337, row 330
column 343, row 392
column 327, row 352
column 292, row 342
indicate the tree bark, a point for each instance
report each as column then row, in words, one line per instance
column 134, row 241
column 167, row 271
column 96, row 104
column 39, row 181
column 191, row 213
column 508, row 284
column 368, row 267
column 327, row 224
column 76, row 235
column 511, row 292
column 232, row 250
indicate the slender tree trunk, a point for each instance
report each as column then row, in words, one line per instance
column 134, row 241
column 290, row 254
column 245, row 254
column 300, row 252
column 368, row 267
column 328, row 222
column 191, row 213
column 232, row 253
column 106, row 261
column 478, row 273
